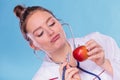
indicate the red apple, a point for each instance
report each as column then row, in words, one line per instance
column 80, row 53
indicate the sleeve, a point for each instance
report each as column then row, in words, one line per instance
column 39, row 75
column 42, row 73
column 112, row 52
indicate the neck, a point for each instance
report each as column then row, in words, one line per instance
column 60, row 55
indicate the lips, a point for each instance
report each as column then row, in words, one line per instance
column 55, row 38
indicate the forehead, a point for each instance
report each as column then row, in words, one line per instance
column 38, row 18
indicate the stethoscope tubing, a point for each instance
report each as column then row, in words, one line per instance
column 88, row 72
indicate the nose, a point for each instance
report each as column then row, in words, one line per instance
column 50, row 31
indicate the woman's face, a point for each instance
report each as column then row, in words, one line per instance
column 46, row 30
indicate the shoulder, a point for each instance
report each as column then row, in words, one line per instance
column 104, row 40
column 100, row 38
column 97, row 36
column 46, row 71
column 39, row 74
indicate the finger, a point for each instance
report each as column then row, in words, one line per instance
column 76, row 76
column 94, row 57
column 97, row 56
column 98, row 59
column 71, row 72
column 91, row 44
column 68, row 66
column 95, row 51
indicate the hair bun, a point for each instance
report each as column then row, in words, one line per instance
column 18, row 10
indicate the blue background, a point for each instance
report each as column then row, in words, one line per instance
column 17, row 61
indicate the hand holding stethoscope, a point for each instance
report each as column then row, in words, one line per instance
column 68, row 72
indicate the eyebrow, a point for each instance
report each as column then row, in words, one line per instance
column 40, row 26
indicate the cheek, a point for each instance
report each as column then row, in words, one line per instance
column 42, row 42
column 59, row 29
column 43, row 46
column 63, row 34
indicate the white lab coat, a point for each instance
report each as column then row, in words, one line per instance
column 50, row 71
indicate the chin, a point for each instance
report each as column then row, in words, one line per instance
column 60, row 44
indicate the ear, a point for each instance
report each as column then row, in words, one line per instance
column 33, row 46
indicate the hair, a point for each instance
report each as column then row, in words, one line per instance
column 23, row 13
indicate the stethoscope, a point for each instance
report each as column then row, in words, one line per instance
column 78, row 66
column 78, row 63
column 64, row 68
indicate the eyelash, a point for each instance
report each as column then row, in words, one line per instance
column 43, row 31
column 52, row 24
column 40, row 34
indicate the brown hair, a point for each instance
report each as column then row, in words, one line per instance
column 23, row 12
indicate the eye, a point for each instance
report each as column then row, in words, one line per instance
column 40, row 34
column 52, row 24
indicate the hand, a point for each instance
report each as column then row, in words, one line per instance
column 95, row 52
column 71, row 73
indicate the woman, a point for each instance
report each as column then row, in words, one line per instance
column 44, row 32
